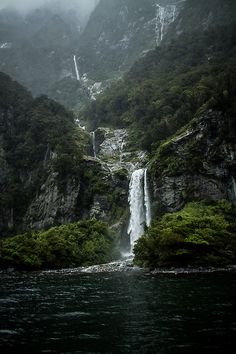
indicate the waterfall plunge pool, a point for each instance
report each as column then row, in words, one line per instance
column 119, row 312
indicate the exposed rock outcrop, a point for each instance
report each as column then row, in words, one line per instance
column 197, row 164
column 113, row 149
column 119, row 32
column 51, row 206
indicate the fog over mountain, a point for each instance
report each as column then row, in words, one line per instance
column 25, row 6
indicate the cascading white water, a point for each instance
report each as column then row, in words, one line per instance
column 234, row 187
column 137, row 212
column 161, row 18
column 147, row 201
column 94, row 144
column 140, row 206
column 121, row 147
column 76, row 69
column 164, row 17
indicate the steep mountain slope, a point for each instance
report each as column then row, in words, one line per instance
column 179, row 104
column 201, row 15
column 48, row 175
column 171, row 85
column 120, row 31
column 40, row 50
column 40, row 47
column 198, row 163
column 38, row 139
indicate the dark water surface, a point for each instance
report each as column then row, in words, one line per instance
column 123, row 312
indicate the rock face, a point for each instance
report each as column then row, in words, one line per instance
column 201, row 15
column 55, row 181
column 120, row 31
column 52, row 206
column 110, row 143
column 112, row 147
column 38, row 50
column 196, row 165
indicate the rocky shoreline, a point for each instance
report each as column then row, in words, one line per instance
column 128, row 266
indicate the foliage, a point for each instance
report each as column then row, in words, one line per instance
column 201, row 234
column 115, row 37
column 170, row 86
column 37, row 136
column 80, row 244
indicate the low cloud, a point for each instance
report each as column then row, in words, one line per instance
column 25, row 6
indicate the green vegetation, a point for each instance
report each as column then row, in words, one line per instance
column 80, row 244
column 111, row 193
column 201, row 234
column 37, row 137
column 170, row 86
column 69, row 92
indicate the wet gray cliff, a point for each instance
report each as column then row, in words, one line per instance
column 198, row 163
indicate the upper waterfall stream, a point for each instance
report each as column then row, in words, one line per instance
column 165, row 15
column 76, row 69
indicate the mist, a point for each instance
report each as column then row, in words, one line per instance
column 25, row 6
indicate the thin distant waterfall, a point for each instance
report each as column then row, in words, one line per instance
column 164, row 17
column 94, row 143
column 234, row 187
column 140, row 207
column 121, row 147
column 161, row 18
column 76, row 69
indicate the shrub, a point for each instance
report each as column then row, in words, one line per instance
column 199, row 235
column 80, row 244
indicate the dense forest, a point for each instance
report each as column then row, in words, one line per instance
column 171, row 86
column 37, row 136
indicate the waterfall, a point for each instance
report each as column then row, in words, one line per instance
column 121, row 147
column 137, row 213
column 161, row 18
column 11, row 219
column 164, row 17
column 94, row 144
column 147, row 202
column 47, row 155
column 140, row 207
column 234, row 187
column 76, row 69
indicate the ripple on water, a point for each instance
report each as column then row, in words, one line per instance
column 72, row 314
column 8, row 331
column 8, row 301
column 120, row 312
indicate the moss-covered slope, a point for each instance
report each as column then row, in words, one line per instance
column 201, row 234
column 170, row 86
column 38, row 139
